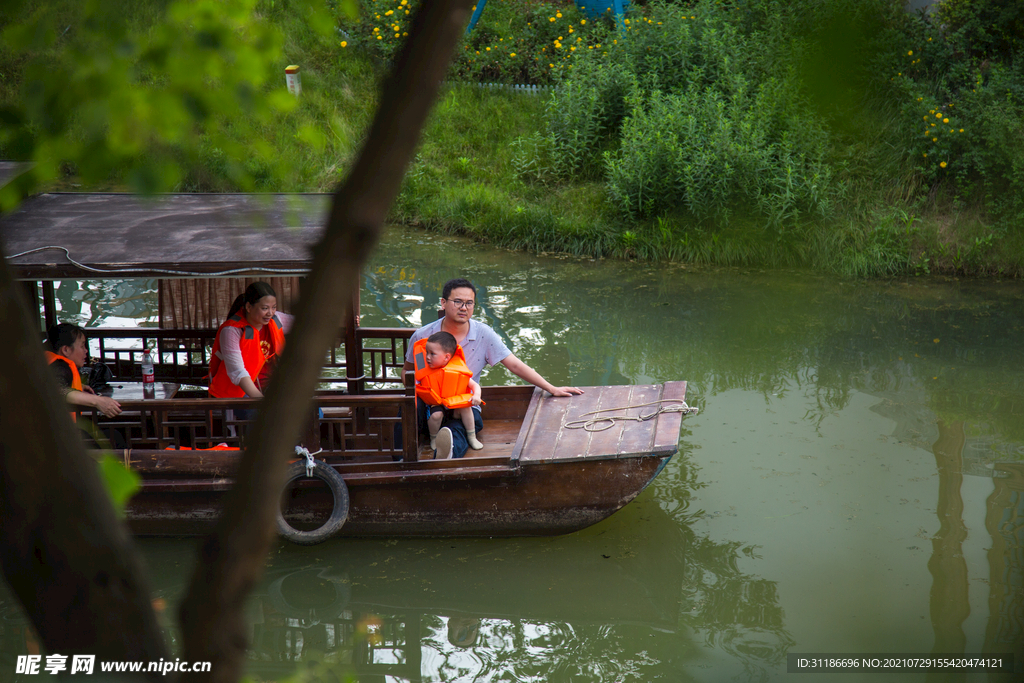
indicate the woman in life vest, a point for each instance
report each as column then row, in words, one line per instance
column 67, row 353
column 248, row 344
column 446, row 385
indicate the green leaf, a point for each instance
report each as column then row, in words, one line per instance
column 121, row 483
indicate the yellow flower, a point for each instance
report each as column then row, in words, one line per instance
column 488, row 49
column 942, row 164
column 910, row 52
column 939, row 115
column 583, row 22
column 925, row 154
column 961, row 130
column 926, row 118
column 551, row 65
column 344, row 43
column 935, row 139
column 945, row 120
column 380, row 38
column 551, row 19
column 512, row 54
column 558, row 14
column 389, row 13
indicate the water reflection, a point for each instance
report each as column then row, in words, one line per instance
column 568, row 608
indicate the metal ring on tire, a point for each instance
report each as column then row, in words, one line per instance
column 339, row 491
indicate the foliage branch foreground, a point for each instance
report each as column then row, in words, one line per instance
column 65, row 554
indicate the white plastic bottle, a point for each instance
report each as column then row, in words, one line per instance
column 147, row 369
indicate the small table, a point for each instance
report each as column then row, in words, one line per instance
column 134, row 391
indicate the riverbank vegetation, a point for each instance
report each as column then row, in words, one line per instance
column 848, row 136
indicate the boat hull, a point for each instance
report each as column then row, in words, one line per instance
column 535, row 499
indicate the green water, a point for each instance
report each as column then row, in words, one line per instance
column 854, row 483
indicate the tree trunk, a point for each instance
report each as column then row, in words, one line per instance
column 232, row 558
column 65, row 553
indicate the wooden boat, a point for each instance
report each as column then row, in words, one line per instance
column 538, row 474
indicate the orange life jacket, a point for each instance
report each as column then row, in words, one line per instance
column 253, row 356
column 76, row 378
column 447, row 386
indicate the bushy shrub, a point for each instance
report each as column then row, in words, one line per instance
column 710, row 154
column 984, row 29
column 515, row 41
column 960, row 85
column 692, row 114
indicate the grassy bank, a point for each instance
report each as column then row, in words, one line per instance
column 832, row 179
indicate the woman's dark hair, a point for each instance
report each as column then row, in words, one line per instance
column 251, row 295
column 63, row 334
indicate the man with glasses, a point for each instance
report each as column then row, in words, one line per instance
column 482, row 347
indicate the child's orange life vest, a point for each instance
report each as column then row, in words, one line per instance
column 447, row 386
column 76, row 377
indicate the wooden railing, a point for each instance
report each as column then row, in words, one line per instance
column 346, row 427
column 183, row 356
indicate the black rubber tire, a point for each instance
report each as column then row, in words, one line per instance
column 334, row 481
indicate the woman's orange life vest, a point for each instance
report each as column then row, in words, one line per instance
column 76, row 378
column 253, row 355
column 447, row 386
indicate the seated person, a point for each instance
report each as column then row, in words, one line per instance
column 482, row 346
column 446, row 385
column 68, row 352
column 248, row 344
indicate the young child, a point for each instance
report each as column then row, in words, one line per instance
column 444, row 383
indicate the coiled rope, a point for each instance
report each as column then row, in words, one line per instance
column 599, row 424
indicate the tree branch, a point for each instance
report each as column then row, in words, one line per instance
column 232, row 557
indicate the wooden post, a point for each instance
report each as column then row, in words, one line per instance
column 49, row 304
column 410, row 428
column 32, row 296
column 354, row 348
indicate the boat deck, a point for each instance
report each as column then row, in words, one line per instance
column 545, row 432
column 548, row 435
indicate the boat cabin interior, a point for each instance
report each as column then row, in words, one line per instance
column 365, row 409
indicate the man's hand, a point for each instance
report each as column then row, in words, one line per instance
column 566, row 391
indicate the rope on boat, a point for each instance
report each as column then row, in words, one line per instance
column 303, row 452
column 599, row 424
column 164, row 271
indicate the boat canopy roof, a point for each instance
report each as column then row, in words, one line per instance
column 112, row 235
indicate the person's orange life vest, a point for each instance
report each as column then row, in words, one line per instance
column 76, row 378
column 447, row 386
column 253, row 357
